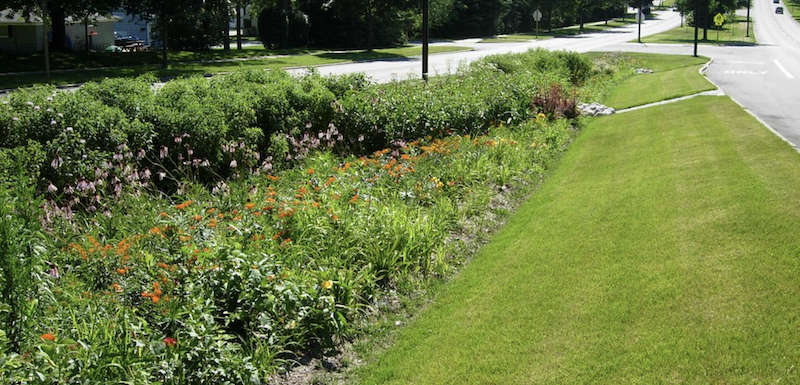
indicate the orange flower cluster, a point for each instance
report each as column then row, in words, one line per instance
column 184, row 205
column 285, row 213
column 48, row 337
column 155, row 296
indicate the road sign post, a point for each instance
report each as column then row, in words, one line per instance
column 718, row 20
column 537, row 15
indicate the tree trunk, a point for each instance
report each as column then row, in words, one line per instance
column 225, row 28
column 165, row 38
column 580, row 17
column 370, row 26
column 285, row 30
column 238, row 27
column 59, row 28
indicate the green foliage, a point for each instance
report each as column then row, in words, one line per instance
column 210, row 230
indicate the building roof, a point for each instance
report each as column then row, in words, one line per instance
column 11, row 17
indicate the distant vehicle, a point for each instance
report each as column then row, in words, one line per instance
column 122, row 38
column 776, row 1
column 779, row 10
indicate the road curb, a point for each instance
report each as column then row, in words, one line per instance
column 704, row 68
column 778, row 134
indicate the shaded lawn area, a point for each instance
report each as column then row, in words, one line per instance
column 663, row 249
column 560, row 32
column 673, row 76
column 729, row 34
column 187, row 68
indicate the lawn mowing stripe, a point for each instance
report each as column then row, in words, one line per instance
column 661, row 250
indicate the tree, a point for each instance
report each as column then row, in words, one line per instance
column 159, row 11
column 58, row 11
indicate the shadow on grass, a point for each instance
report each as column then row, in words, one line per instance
column 85, row 60
column 363, row 55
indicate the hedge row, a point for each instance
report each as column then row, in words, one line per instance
column 257, row 121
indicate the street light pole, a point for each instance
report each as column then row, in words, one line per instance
column 425, row 40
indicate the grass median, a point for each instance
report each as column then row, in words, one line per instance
column 574, row 30
column 731, row 33
column 663, row 249
column 673, row 76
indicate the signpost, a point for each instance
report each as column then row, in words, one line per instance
column 537, row 16
column 718, row 20
column 425, row 36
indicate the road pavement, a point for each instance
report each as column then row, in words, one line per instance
column 384, row 71
column 762, row 77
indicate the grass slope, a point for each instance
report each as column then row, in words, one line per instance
column 673, row 76
column 662, row 250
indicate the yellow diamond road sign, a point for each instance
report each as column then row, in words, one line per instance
column 718, row 19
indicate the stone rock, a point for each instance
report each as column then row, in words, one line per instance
column 642, row 71
column 595, row 109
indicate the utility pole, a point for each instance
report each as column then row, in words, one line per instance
column 46, row 41
column 639, row 17
column 425, row 40
column 696, row 22
column 747, row 29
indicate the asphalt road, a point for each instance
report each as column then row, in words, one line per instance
column 384, row 71
column 764, row 78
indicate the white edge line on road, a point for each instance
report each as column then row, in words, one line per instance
column 778, row 134
column 785, row 72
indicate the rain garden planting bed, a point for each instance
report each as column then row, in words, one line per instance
column 213, row 229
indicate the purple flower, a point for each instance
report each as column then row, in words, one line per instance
column 53, row 122
column 233, row 163
column 146, row 174
column 178, row 139
column 361, row 138
column 140, row 154
column 54, row 271
column 52, row 188
column 57, row 162
column 164, row 152
column 69, row 129
column 81, row 186
column 118, row 157
column 68, row 190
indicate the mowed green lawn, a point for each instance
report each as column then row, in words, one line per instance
column 663, row 249
column 673, row 77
